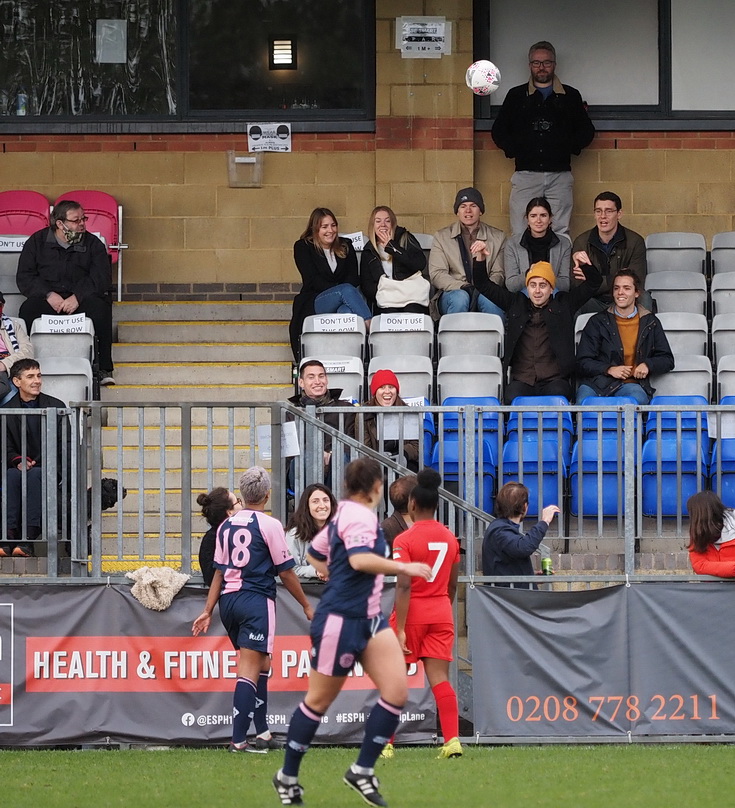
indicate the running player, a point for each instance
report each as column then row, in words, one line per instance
column 251, row 550
column 348, row 627
column 422, row 616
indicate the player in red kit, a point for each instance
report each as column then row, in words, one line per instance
column 422, row 616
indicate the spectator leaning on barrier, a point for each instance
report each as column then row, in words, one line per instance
column 622, row 347
column 15, row 344
column 539, row 331
column 26, row 376
column 63, row 269
column 611, row 247
column 457, row 250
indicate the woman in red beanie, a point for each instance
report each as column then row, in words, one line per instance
column 385, row 389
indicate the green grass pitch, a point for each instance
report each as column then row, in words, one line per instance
column 567, row 776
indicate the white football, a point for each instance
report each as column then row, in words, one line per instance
column 483, row 77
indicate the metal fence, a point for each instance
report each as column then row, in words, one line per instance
column 621, row 474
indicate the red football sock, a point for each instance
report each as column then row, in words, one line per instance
column 446, row 705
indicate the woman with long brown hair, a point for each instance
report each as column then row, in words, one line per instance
column 711, row 535
column 328, row 267
column 316, row 507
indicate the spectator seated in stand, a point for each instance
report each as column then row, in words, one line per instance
column 328, row 267
column 316, row 507
column 538, row 242
column 711, row 535
column 391, row 267
column 63, row 269
column 314, row 391
column 26, row 376
column 385, row 390
column 539, row 335
column 457, row 250
column 15, row 344
column 400, row 520
column 622, row 347
column 218, row 505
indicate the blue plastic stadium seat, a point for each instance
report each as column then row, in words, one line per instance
column 666, row 421
column 606, row 459
column 543, row 483
column 453, row 468
column 726, row 446
column 674, row 453
column 610, row 420
column 490, row 419
column 527, row 423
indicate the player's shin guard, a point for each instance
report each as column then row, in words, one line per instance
column 446, row 705
column 304, row 724
column 261, row 705
column 379, row 729
column 243, row 708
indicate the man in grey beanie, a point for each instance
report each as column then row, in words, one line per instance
column 456, row 250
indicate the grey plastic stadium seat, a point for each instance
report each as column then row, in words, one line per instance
column 47, row 343
column 676, row 252
column 471, row 332
column 725, row 376
column 692, row 375
column 340, row 334
column 723, row 336
column 678, row 291
column 579, row 325
column 415, row 373
column 722, row 254
column 68, row 378
column 469, row 375
column 723, row 293
column 393, row 334
column 686, row 332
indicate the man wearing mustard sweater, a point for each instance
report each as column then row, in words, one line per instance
column 622, row 347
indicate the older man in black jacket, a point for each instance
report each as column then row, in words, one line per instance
column 539, row 330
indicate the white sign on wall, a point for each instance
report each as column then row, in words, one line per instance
column 423, row 37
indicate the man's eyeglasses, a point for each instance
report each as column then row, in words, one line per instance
column 546, row 63
column 76, row 221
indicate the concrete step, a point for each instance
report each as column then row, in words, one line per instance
column 151, row 436
column 171, row 416
column 213, row 393
column 216, row 373
column 202, row 352
column 131, row 457
column 198, row 331
column 203, row 310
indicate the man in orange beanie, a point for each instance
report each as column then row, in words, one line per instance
column 539, row 332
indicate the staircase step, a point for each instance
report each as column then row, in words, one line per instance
column 216, row 373
column 204, row 310
column 198, row 331
column 213, row 393
column 202, row 352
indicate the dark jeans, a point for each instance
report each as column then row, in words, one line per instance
column 34, row 483
column 556, row 387
column 97, row 309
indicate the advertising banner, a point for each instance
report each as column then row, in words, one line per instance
column 90, row 664
column 640, row 660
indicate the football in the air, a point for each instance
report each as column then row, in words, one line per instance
column 483, row 77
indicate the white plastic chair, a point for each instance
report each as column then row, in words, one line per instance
column 722, row 293
column 469, row 375
column 722, row 254
column 47, row 343
column 335, row 334
column 579, row 325
column 678, row 291
column 471, row 332
column 686, row 332
column 401, row 333
column 692, row 375
column 68, row 378
column 676, row 252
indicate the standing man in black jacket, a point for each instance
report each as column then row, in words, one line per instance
column 63, row 269
column 623, row 346
column 541, row 125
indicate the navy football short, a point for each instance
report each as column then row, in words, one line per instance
column 249, row 619
column 338, row 641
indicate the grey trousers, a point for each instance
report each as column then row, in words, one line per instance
column 556, row 186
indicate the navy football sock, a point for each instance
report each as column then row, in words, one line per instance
column 379, row 729
column 243, row 707
column 301, row 731
column 261, row 705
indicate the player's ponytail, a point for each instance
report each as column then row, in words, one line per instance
column 426, row 492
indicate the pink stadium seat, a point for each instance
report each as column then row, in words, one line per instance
column 22, row 213
column 105, row 220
